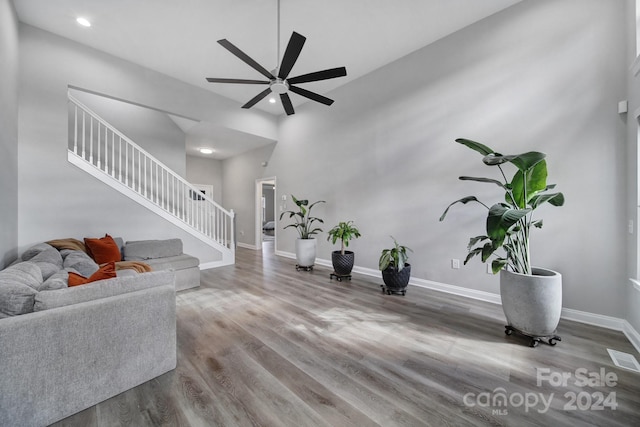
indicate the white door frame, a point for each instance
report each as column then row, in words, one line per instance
column 258, row 210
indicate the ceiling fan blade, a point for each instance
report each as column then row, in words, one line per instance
column 311, row 95
column 291, row 54
column 331, row 73
column 255, row 82
column 257, row 98
column 286, row 103
column 244, row 57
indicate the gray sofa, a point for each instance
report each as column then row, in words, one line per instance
column 165, row 255
column 64, row 349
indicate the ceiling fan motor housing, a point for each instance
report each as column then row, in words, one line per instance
column 279, row 86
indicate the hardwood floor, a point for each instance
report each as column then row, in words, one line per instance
column 261, row 344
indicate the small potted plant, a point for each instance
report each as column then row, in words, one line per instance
column 396, row 271
column 343, row 260
column 303, row 223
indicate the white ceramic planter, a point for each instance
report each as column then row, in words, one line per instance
column 306, row 252
column 532, row 303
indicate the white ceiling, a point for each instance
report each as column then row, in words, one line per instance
column 178, row 38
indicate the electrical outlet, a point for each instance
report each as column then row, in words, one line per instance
column 630, row 226
column 455, row 263
column 489, row 270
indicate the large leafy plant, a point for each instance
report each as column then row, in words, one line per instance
column 509, row 222
column 303, row 221
column 395, row 257
column 344, row 232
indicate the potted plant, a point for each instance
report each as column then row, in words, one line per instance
column 343, row 260
column 531, row 297
column 303, row 223
column 396, row 271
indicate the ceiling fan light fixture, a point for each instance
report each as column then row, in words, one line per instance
column 272, row 100
column 206, row 150
column 83, row 21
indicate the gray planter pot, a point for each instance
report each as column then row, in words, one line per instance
column 306, row 252
column 532, row 304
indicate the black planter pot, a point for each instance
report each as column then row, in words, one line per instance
column 342, row 264
column 396, row 281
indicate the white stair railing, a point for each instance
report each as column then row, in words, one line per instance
column 95, row 142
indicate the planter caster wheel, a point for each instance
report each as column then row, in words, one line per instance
column 552, row 340
column 305, row 268
column 338, row 277
column 393, row 291
column 535, row 339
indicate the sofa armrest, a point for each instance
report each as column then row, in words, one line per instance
column 60, row 361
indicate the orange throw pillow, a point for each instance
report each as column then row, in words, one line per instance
column 107, row 271
column 103, row 250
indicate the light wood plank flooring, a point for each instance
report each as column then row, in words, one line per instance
column 260, row 344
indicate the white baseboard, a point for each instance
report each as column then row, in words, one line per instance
column 429, row 284
column 593, row 319
column 214, row 264
column 286, row 254
column 600, row 320
column 631, row 334
column 247, row 246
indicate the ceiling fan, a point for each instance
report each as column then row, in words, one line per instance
column 278, row 80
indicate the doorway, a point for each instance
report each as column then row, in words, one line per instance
column 266, row 229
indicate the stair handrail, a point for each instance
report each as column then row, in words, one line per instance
column 149, row 155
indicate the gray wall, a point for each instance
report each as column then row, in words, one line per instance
column 206, row 171
column 632, row 120
column 57, row 199
column 544, row 75
column 152, row 130
column 239, row 174
column 8, row 133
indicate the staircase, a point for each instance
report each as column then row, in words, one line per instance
column 101, row 150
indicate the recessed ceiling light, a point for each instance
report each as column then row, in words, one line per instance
column 83, row 21
column 206, row 151
column 272, row 100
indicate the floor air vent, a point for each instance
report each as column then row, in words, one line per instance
column 624, row 360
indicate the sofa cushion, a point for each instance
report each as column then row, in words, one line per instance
column 58, row 280
column 79, row 261
column 120, row 244
column 107, row 271
column 35, row 250
column 46, row 300
column 46, row 257
column 142, row 250
column 18, row 287
column 178, row 262
column 103, row 250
